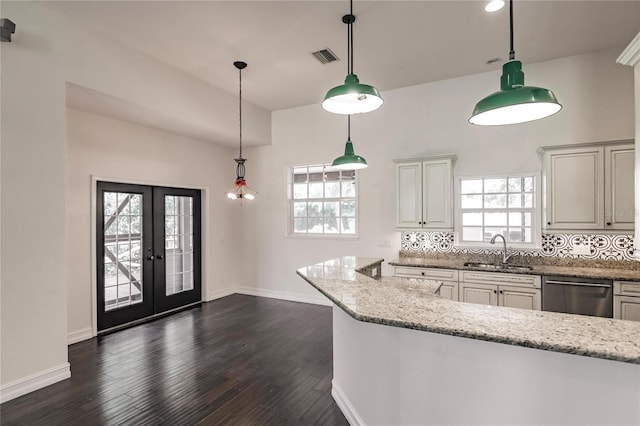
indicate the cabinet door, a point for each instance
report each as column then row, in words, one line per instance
column 483, row 294
column 449, row 290
column 437, row 202
column 619, row 187
column 574, row 188
column 409, row 195
column 626, row 308
column 517, row 297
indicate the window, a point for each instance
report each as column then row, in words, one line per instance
column 322, row 201
column 498, row 205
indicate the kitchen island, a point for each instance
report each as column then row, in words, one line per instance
column 405, row 356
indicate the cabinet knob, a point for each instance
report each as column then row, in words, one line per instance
column 150, row 257
column 608, row 223
column 495, row 291
column 159, row 257
column 422, row 273
column 501, row 292
column 548, row 223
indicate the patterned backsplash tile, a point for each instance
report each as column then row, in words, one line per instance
column 603, row 247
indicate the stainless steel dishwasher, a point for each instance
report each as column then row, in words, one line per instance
column 578, row 296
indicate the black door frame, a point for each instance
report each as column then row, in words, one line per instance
column 155, row 301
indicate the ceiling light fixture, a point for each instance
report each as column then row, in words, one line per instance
column 352, row 97
column 240, row 189
column 494, row 5
column 515, row 102
column 349, row 161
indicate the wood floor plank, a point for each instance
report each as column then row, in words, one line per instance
column 239, row 360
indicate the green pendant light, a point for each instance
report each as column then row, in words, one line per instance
column 515, row 102
column 349, row 161
column 352, row 97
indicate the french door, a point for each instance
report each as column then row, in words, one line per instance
column 148, row 249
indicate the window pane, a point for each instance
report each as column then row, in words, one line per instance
column 332, row 190
column 470, row 219
column 515, row 235
column 495, row 201
column 495, row 219
column 315, row 225
column 314, row 209
column 528, row 184
column 300, row 191
column 331, row 176
column 331, row 225
column 316, row 174
column 528, row 200
column 515, row 219
column 348, row 225
column 495, row 185
column 528, row 235
column 348, row 208
column 300, row 225
column 300, row 175
column 471, row 186
column 316, row 190
column 331, row 209
column 515, row 200
column 471, row 201
column 515, row 184
column 348, row 188
column 471, row 234
column 527, row 218
column 299, row 210
column 490, row 232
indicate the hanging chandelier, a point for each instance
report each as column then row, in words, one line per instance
column 352, row 97
column 515, row 102
column 240, row 189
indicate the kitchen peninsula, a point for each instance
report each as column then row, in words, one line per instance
column 405, row 356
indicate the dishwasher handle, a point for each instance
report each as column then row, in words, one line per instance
column 577, row 284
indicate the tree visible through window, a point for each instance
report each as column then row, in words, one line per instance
column 500, row 205
column 322, row 200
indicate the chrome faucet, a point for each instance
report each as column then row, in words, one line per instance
column 505, row 256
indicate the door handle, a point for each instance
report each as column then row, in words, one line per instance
column 579, row 284
column 150, row 257
column 159, row 257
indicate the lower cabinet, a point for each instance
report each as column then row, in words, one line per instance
column 626, row 300
column 448, row 277
column 510, row 290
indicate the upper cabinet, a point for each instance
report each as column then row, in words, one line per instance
column 589, row 187
column 424, row 193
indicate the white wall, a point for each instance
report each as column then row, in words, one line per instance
column 121, row 151
column 46, row 52
column 597, row 95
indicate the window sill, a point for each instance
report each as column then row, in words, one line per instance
column 322, row 237
column 499, row 246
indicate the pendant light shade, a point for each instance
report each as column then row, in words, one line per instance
column 349, row 161
column 515, row 102
column 240, row 190
column 352, row 97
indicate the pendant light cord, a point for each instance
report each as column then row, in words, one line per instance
column 512, row 53
column 350, row 31
column 240, row 110
column 349, row 127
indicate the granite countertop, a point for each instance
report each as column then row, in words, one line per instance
column 412, row 303
column 568, row 270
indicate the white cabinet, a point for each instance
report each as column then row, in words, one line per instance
column 498, row 289
column 626, row 300
column 448, row 277
column 424, row 193
column 589, row 186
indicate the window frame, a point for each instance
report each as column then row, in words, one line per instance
column 536, row 213
column 289, row 205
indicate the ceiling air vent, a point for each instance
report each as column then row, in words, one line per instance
column 325, row 56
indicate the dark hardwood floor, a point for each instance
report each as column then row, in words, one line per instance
column 239, row 360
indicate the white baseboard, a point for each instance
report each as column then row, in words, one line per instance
column 217, row 294
column 34, row 382
column 283, row 295
column 79, row 335
column 345, row 405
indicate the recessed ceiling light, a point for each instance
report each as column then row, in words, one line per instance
column 493, row 61
column 494, row 5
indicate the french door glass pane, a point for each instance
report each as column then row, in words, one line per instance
column 123, row 278
column 178, row 230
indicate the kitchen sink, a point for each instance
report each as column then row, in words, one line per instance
column 498, row 267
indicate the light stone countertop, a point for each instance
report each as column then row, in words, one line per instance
column 536, row 269
column 411, row 303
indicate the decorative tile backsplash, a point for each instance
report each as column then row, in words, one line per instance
column 603, row 247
